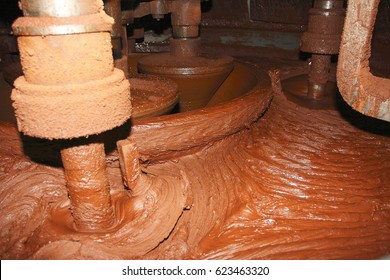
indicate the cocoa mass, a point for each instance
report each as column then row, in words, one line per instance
column 295, row 183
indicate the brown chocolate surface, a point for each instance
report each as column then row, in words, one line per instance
column 298, row 183
column 152, row 96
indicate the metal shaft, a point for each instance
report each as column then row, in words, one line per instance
column 70, row 90
column 88, row 187
column 318, row 75
column 322, row 39
column 186, row 18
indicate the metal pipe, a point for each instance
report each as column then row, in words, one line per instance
column 362, row 90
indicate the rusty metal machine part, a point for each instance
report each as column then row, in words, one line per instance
column 120, row 48
column 185, row 46
column 185, row 64
column 150, row 96
column 159, row 8
column 69, row 91
column 186, row 17
column 113, row 9
column 362, row 90
column 322, row 39
column 324, row 29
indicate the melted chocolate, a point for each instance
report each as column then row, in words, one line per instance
column 297, row 183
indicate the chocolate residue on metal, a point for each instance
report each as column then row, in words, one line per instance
column 365, row 92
